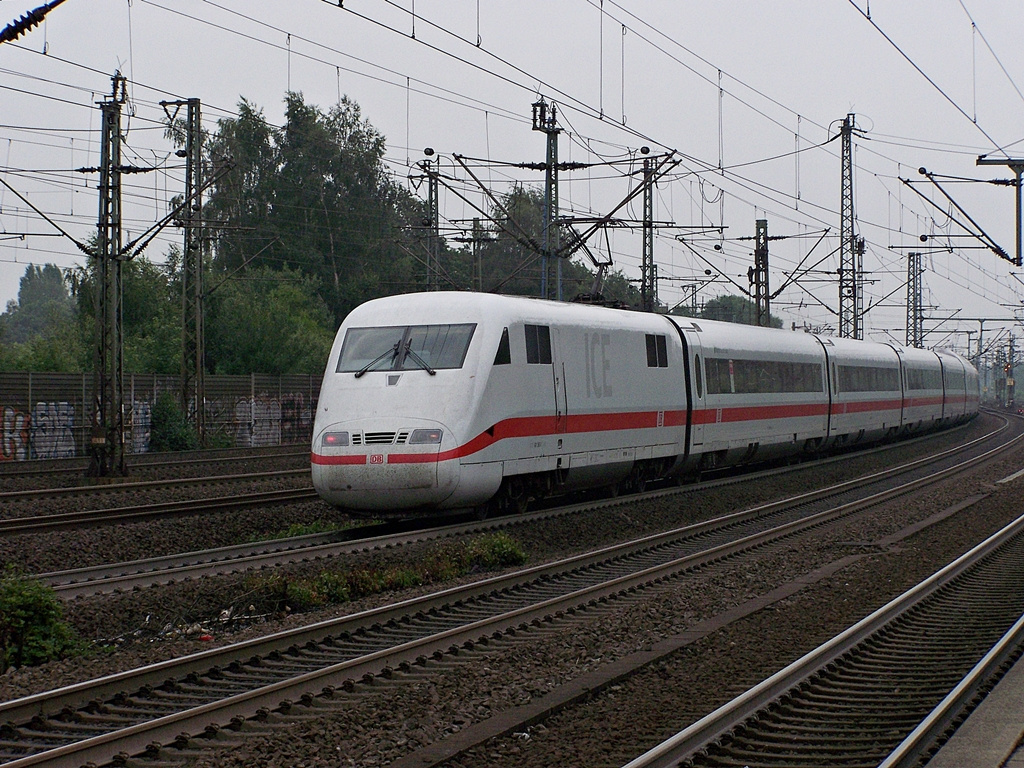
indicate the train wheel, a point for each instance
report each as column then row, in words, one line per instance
column 512, row 498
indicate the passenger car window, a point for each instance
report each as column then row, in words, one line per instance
column 657, row 351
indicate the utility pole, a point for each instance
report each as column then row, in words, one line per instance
column 851, row 250
column 107, row 442
column 915, row 319
column 478, row 238
column 193, row 337
column 648, row 269
column 545, row 120
column 431, row 222
column 759, row 274
column 1017, row 166
column 1011, row 363
column 434, row 223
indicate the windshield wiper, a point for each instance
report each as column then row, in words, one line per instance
column 393, row 352
column 418, row 359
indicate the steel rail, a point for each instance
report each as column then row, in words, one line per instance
column 942, row 718
column 714, row 726
column 139, row 736
column 81, row 518
column 103, row 579
column 149, row 461
column 142, row 573
column 143, row 485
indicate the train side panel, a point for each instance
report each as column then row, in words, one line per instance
column 867, row 394
column 586, row 397
column 922, row 388
column 954, row 385
column 765, row 392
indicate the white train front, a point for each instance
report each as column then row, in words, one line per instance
column 455, row 400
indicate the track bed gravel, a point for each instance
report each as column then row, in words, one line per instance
column 443, row 699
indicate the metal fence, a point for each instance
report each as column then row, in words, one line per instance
column 47, row 415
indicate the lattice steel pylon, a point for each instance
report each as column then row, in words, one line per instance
column 648, row 269
column 434, row 227
column 851, row 251
column 762, row 299
column 545, row 119
column 915, row 319
column 193, row 380
column 106, row 449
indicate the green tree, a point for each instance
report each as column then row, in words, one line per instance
column 314, row 196
column 151, row 313
column 511, row 260
column 39, row 331
column 731, row 309
column 269, row 321
column 43, row 302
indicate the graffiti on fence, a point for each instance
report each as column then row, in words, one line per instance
column 142, row 426
column 296, row 418
column 14, row 441
column 46, row 433
column 265, row 420
column 53, row 430
column 257, row 421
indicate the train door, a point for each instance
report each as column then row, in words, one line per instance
column 558, row 382
column 541, row 343
column 698, row 389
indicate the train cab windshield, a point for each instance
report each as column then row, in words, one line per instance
column 405, row 347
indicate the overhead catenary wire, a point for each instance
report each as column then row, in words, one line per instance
column 752, row 187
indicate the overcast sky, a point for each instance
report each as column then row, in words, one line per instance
column 734, row 88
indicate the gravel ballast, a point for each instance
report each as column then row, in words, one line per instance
column 603, row 731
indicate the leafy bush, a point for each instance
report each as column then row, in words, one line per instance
column 32, row 629
column 170, row 430
column 333, row 587
column 304, row 529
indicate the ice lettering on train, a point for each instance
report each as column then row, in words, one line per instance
column 595, row 346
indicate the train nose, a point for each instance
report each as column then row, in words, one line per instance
column 377, row 466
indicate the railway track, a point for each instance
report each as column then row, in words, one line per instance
column 150, row 462
column 885, row 691
column 135, row 513
column 225, row 560
column 302, row 669
column 85, row 491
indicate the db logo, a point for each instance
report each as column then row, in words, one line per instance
column 376, row 458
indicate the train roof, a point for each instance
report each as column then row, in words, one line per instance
column 467, row 306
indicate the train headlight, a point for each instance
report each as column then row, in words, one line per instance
column 334, row 439
column 425, row 437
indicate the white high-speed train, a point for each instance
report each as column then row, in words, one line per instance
column 460, row 400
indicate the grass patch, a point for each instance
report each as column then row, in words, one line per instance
column 304, row 529
column 332, row 587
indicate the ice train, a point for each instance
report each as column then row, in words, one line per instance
column 458, row 400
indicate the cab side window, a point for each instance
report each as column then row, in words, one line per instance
column 504, row 354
